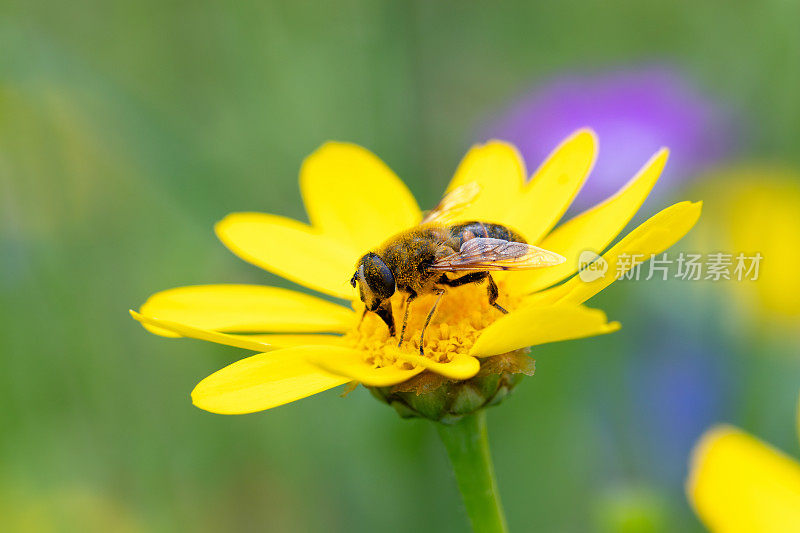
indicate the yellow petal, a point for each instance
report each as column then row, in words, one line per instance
column 652, row 237
column 245, row 308
column 462, row 366
column 739, row 484
column 183, row 330
column 290, row 249
column 263, row 381
column 288, row 341
column 257, row 343
column 351, row 364
column 553, row 186
column 352, row 196
column 592, row 230
column 533, row 325
column 497, row 168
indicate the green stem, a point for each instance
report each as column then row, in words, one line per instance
column 467, row 444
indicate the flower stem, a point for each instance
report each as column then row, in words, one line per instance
column 467, row 444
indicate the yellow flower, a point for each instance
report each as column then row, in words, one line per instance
column 756, row 209
column 355, row 202
column 738, row 483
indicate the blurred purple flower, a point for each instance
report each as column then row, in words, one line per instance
column 634, row 112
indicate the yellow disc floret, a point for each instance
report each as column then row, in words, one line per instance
column 462, row 314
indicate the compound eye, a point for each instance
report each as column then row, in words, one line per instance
column 375, row 281
column 378, row 276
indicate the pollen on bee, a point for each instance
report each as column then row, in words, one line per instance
column 461, row 315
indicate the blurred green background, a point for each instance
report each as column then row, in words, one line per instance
column 128, row 128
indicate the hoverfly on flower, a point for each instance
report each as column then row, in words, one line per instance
column 493, row 217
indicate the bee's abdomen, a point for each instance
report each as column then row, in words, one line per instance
column 469, row 230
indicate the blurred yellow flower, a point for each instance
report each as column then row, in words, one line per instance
column 738, row 483
column 355, row 202
column 757, row 210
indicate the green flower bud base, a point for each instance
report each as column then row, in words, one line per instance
column 434, row 397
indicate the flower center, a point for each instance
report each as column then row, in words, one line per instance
column 459, row 318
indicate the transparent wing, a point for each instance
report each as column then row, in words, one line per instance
column 452, row 203
column 481, row 254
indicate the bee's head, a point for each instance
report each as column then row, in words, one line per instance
column 375, row 281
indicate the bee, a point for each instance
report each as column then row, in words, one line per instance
column 437, row 255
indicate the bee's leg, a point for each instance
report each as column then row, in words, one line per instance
column 439, row 292
column 385, row 312
column 476, row 277
column 472, row 277
column 410, row 299
column 361, row 321
column 493, row 294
